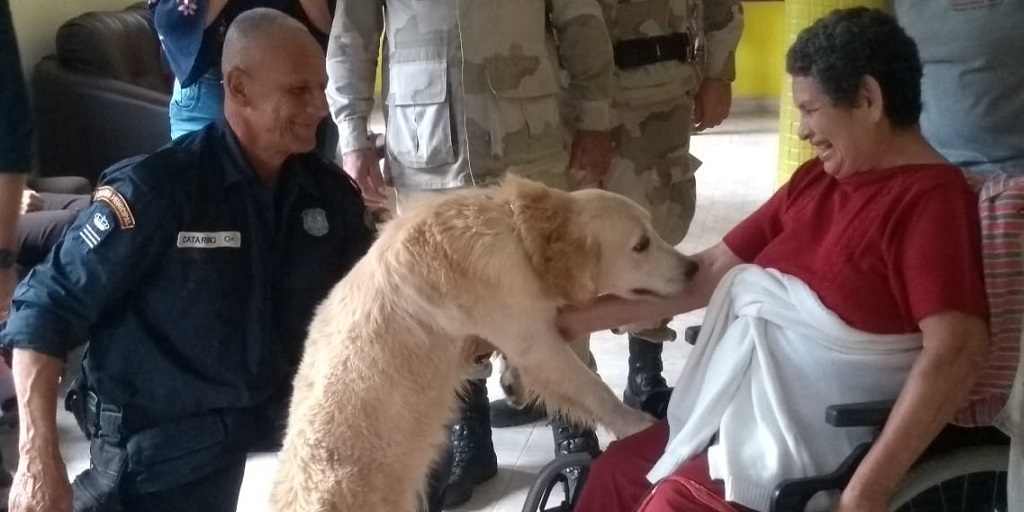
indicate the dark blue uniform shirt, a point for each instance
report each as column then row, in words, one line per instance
column 193, row 296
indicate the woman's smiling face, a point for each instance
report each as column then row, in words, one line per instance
column 842, row 136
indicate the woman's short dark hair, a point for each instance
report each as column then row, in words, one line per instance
column 837, row 51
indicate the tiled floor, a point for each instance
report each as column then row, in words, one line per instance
column 738, row 174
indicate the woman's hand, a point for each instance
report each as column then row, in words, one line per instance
column 852, row 501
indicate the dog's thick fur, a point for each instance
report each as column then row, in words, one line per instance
column 389, row 347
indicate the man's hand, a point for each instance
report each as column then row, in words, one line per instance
column 41, row 484
column 364, row 167
column 590, row 159
column 712, row 103
column 31, row 201
column 8, row 280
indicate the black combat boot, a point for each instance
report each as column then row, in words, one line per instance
column 439, row 474
column 570, row 438
column 473, row 457
column 644, row 371
column 504, row 414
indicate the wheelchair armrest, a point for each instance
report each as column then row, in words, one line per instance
column 861, row 414
column 690, row 334
column 792, row 495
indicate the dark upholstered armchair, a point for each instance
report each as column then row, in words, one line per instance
column 103, row 96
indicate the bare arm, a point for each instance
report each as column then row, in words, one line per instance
column 955, row 349
column 41, row 482
column 609, row 312
column 213, row 9
column 11, row 186
column 318, row 13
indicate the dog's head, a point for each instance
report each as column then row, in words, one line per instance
column 592, row 242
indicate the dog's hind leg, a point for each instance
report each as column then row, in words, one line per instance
column 550, row 369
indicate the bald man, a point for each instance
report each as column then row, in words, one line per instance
column 193, row 275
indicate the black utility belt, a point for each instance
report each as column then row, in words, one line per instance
column 634, row 53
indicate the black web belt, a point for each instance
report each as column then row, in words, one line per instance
column 634, row 53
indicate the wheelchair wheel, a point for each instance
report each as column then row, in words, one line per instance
column 555, row 488
column 964, row 480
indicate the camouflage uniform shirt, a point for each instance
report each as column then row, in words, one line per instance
column 470, row 85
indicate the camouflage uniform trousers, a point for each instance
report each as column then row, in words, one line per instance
column 551, row 171
column 651, row 163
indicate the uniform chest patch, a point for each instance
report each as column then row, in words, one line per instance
column 314, row 221
column 209, row 239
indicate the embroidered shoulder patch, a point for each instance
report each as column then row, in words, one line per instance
column 95, row 230
column 116, row 201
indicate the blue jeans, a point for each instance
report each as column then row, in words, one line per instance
column 197, row 105
column 15, row 123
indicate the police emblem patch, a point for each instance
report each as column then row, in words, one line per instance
column 100, row 221
column 116, row 202
column 94, row 231
column 314, row 221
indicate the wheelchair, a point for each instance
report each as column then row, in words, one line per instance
column 964, row 469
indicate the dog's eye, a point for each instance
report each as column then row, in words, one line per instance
column 642, row 245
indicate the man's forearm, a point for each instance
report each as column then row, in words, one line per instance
column 36, row 380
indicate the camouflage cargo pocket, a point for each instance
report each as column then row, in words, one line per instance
column 524, row 124
column 419, row 130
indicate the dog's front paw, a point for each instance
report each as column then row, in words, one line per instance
column 634, row 422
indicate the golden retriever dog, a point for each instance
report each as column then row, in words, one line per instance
column 389, row 347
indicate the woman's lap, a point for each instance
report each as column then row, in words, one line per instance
column 618, row 479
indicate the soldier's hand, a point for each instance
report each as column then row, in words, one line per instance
column 41, row 485
column 712, row 103
column 364, row 167
column 591, row 156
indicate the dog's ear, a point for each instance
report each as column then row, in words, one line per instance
column 561, row 253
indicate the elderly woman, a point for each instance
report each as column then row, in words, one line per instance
column 860, row 279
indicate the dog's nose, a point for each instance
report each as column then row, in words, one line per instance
column 690, row 269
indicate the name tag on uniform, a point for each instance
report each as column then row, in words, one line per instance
column 209, row 240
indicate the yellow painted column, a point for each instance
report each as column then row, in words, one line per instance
column 800, row 14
